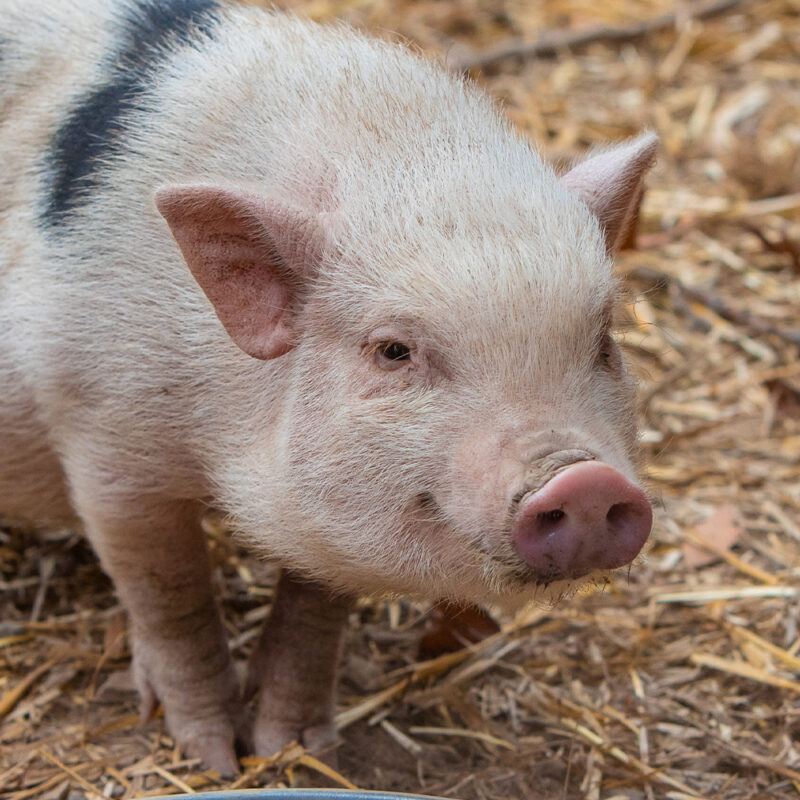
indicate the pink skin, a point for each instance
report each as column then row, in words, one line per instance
column 588, row 517
column 255, row 258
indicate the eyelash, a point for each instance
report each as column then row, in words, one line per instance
column 404, row 353
column 389, row 354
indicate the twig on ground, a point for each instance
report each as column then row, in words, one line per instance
column 551, row 43
column 716, row 304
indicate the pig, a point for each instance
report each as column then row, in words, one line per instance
column 316, row 282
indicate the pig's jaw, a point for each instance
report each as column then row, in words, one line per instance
column 432, row 547
column 422, row 556
column 442, row 526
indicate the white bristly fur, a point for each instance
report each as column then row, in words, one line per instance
column 121, row 391
column 441, row 215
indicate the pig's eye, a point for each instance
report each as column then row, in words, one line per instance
column 392, row 355
column 386, row 350
column 389, row 354
column 395, row 351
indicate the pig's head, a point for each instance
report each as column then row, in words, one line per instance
column 462, row 423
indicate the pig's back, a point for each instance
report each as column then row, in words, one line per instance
column 102, row 102
column 43, row 62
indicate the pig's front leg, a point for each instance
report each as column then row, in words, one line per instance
column 294, row 667
column 156, row 554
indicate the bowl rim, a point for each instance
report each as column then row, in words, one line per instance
column 301, row 794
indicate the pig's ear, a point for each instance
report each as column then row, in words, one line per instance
column 610, row 183
column 249, row 256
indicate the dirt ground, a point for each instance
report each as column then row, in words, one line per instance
column 681, row 677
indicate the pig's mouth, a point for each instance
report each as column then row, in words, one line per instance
column 520, row 576
column 509, row 571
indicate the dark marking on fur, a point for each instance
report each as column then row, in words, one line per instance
column 92, row 132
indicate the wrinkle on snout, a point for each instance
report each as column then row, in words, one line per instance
column 546, row 467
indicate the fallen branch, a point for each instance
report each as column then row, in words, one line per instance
column 783, row 245
column 551, row 43
column 716, row 304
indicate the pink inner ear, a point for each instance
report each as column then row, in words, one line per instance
column 232, row 243
column 610, row 183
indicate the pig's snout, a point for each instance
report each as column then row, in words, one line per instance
column 588, row 517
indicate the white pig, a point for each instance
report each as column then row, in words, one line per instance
column 319, row 283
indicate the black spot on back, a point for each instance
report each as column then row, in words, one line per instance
column 91, row 133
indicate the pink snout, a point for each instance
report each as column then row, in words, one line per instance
column 588, row 517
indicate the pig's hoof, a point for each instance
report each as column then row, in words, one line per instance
column 208, row 733
column 216, row 752
column 321, row 739
column 217, row 749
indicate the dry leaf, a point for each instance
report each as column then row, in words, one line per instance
column 721, row 531
column 455, row 626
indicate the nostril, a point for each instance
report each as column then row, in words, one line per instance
column 548, row 520
column 618, row 514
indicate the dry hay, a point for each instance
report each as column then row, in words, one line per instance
column 680, row 679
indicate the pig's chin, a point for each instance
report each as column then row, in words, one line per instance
column 553, row 590
column 509, row 593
